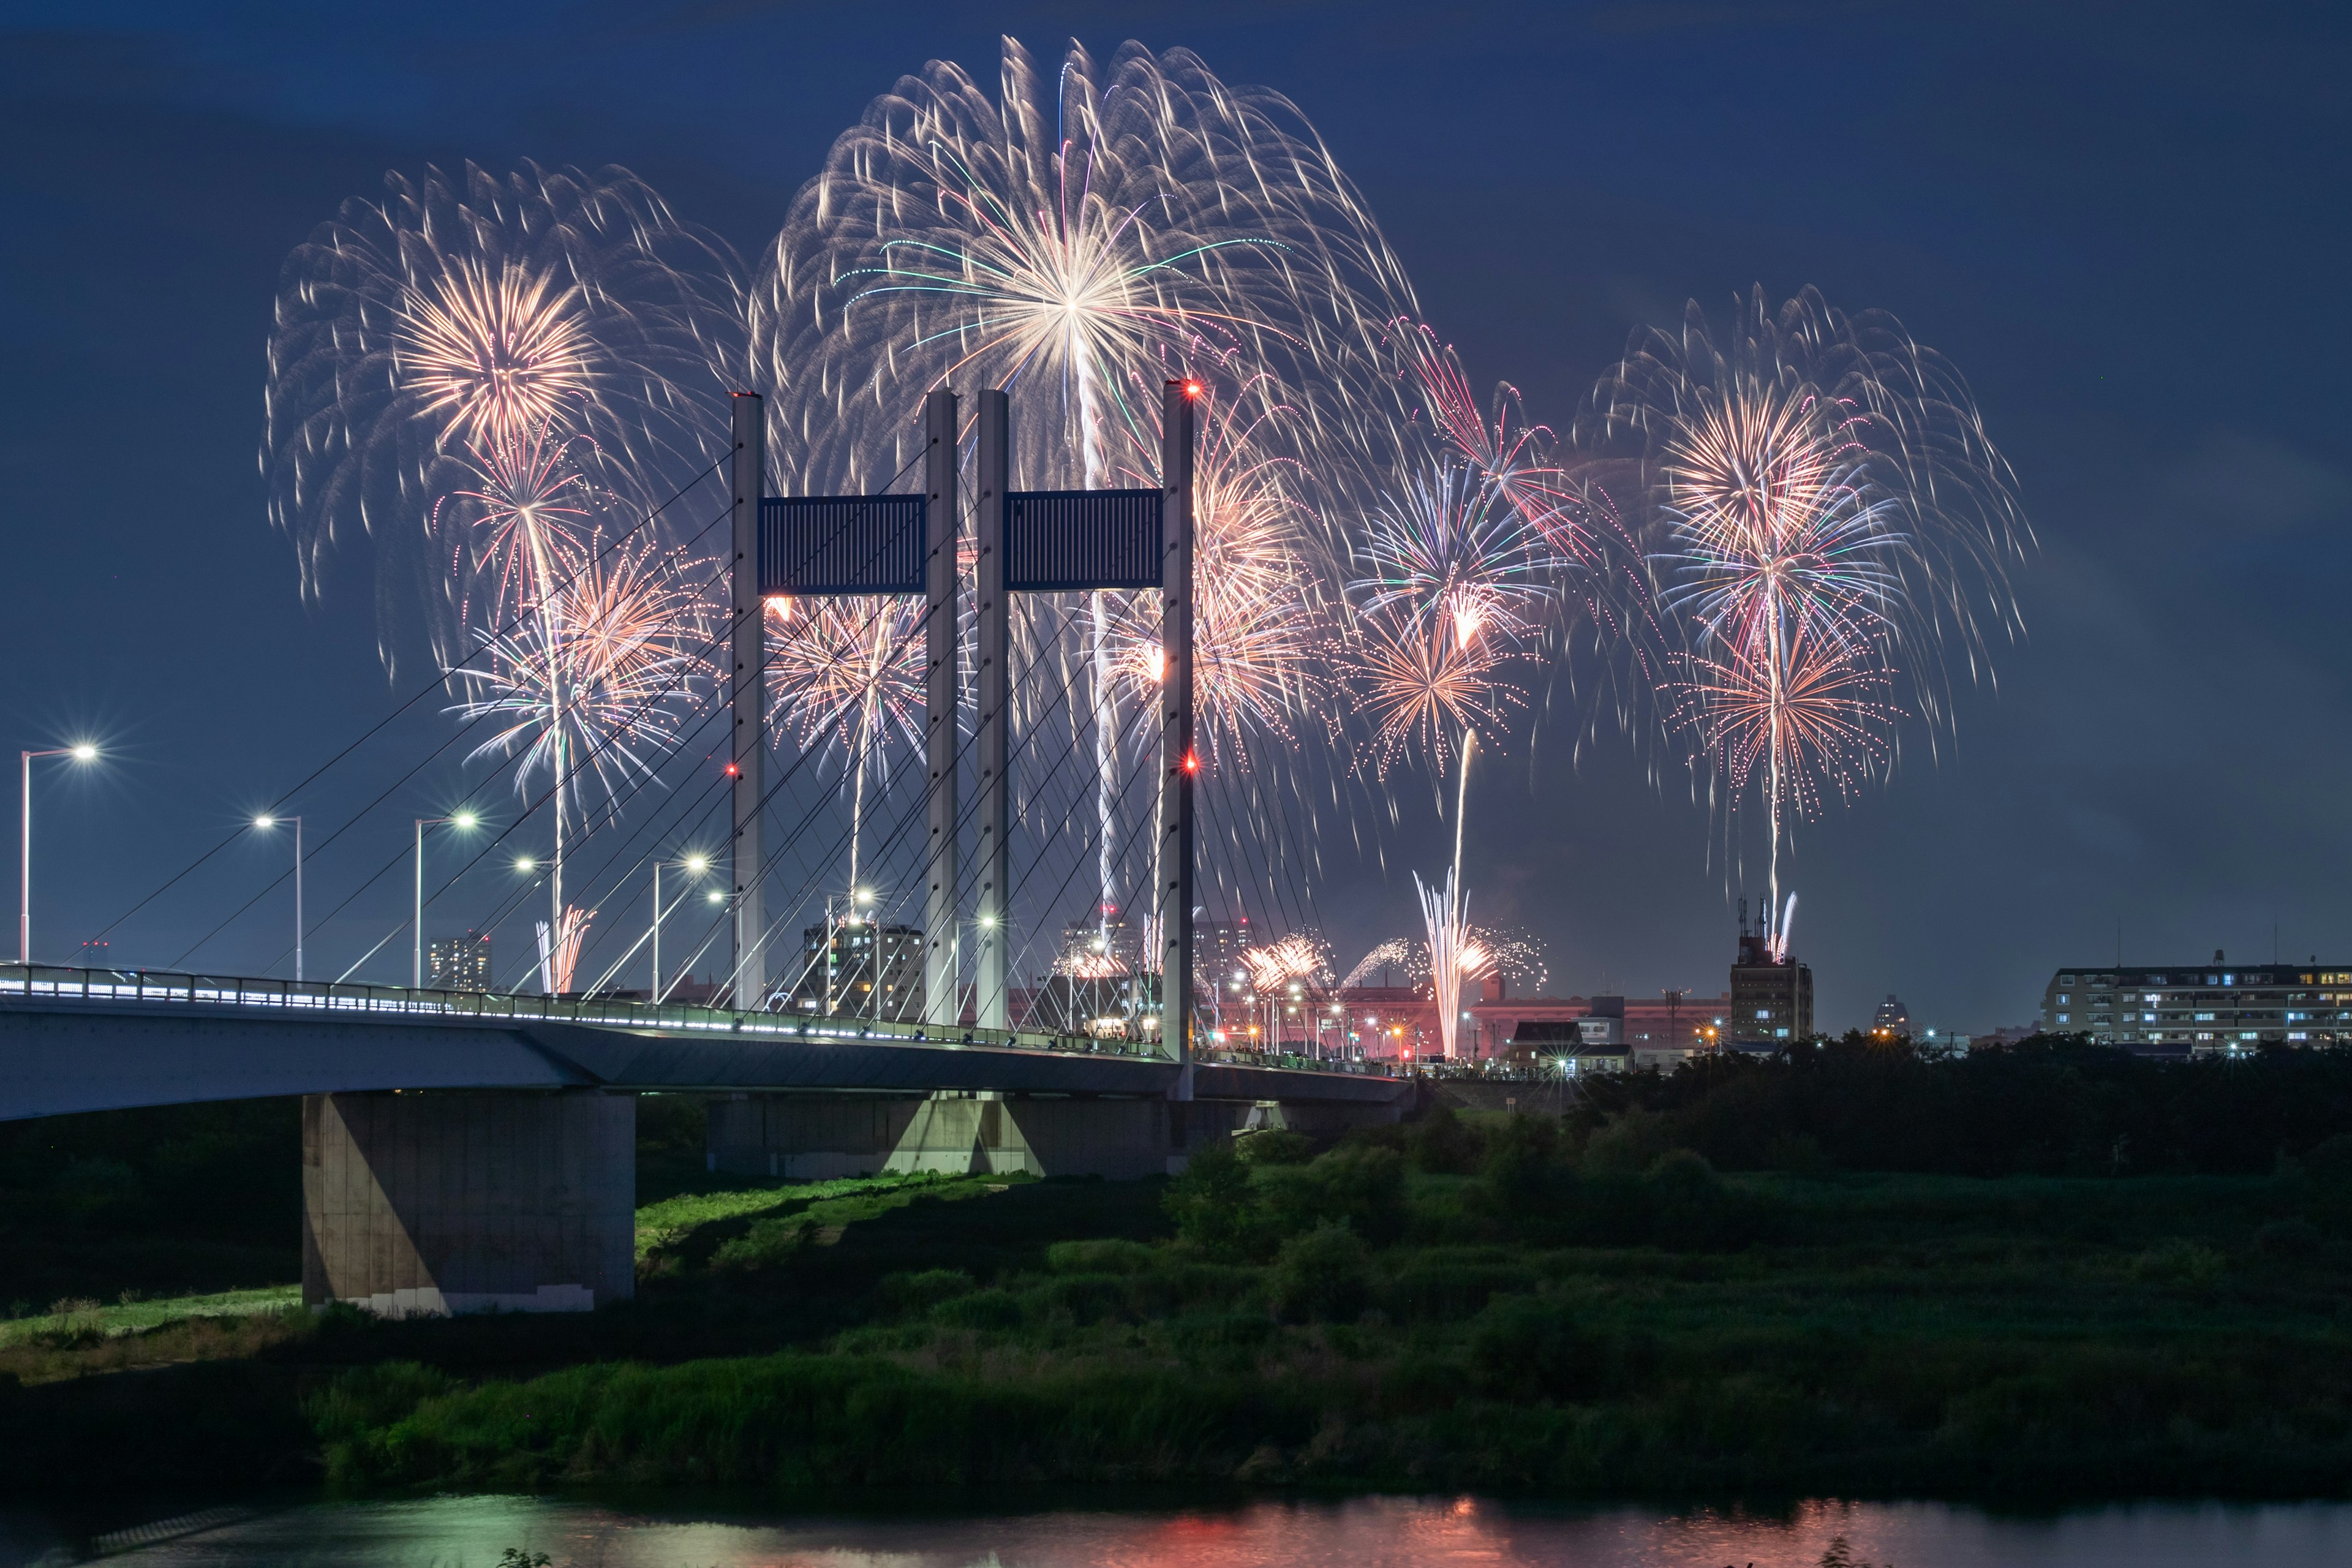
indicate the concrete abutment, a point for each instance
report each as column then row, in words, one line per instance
column 428, row 1202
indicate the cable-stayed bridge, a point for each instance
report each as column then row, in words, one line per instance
column 472, row 1149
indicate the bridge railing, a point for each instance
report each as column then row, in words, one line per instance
column 137, row 986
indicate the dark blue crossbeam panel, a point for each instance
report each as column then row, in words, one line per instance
column 825, row 545
column 1062, row 541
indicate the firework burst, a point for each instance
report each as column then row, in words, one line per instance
column 450, row 328
column 847, row 675
column 588, row 687
column 1828, row 527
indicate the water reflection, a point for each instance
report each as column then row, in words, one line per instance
column 475, row 1533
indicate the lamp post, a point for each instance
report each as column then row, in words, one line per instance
column 462, row 821
column 695, row 866
column 265, row 820
column 82, row 753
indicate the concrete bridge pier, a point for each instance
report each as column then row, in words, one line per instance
column 960, row 1132
column 434, row 1202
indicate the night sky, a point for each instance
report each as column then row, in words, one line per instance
column 2125, row 224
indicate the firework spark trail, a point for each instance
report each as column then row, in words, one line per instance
column 850, row 675
column 1827, row 525
column 1425, row 689
column 424, row 339
column 629, row 631
column 1454, row 953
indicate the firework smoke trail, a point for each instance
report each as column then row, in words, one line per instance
column 1049, row 241
column 1828, row 526
column 426, row 337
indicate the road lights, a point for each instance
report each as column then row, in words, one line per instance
column 463, row 821
column 80, row 753
column 266, row 821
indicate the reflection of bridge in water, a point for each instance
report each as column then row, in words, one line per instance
column 464, row 1150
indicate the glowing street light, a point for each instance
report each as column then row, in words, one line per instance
column 81, row 753
column 266, row 821
column 463, row 821
column 695, row 866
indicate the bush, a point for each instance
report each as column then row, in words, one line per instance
column 1444, row 1145
column 2330, row 1162
column 1105, row 1255
column 1362, row 1188
column 1629, row 1143
column 1274, row 1146
column 1211, row 1203
column 1524, row 1172
column 1523, row 1344
column 920, row 1292
column 2287, row 1239
column 1796, row 1154
column 2180, row 1261
column 992, row 1309
column 1324, row 1275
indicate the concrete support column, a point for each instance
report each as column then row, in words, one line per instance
column 430, row 1203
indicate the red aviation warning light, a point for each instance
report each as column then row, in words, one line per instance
column 1192, row 389
column 733, row 770
column 1191, row 762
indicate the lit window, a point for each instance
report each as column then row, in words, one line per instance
column 2062, row 1017
column 1763, row 1012
column 2063, row 998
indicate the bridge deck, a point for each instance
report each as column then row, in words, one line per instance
column 73, row 1040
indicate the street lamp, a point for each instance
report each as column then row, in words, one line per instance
column 82, row 753
column 463, row 821
column 695, row 866
column 265, row 820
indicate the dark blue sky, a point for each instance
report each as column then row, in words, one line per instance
column 2125, row 224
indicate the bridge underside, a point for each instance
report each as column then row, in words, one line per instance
column 59, row 1057
column 449, row 1166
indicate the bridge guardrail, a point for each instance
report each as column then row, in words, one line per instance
column 340, row 997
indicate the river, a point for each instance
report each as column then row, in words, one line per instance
column 474, row 1532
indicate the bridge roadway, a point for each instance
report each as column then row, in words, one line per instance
column 81, row 1039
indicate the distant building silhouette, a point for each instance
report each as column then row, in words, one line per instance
column 1771, row 993
column 2202, row 1009
column 1893, row 1018
column 459, row 963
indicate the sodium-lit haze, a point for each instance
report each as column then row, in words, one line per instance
column 2120, row 224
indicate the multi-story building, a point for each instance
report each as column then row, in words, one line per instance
column 1892, row 1017
column 2201, row 1009
column 840, row 977
column 459, row 963
column 1771, row 993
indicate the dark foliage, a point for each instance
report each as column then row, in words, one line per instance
column 2047, row 1107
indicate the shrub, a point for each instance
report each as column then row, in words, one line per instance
column 1103, row 1255
column 990, row 1308
column 1443, row 1144
column 2180, row 1261
column 1324, row 1275
column 1362, row 1188
column 1523, row 1344
column 1274, row 1146
column 1524, row 1172
column 2287, row 1239
column 1211, row 1202
column 922, row 1291
column 2330, row 1162
column 1630, row 1142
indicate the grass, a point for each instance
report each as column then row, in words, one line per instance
column 79, row 1318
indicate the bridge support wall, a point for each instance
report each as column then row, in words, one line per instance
column 421, row 1204
column 817, row 1138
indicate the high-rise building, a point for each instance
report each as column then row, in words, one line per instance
column 1892, row 1017
column 839, row 978
column 1771, row 993
column 459, row 963
column 2203, row 1008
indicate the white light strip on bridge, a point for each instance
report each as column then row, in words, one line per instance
column 137, row 987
